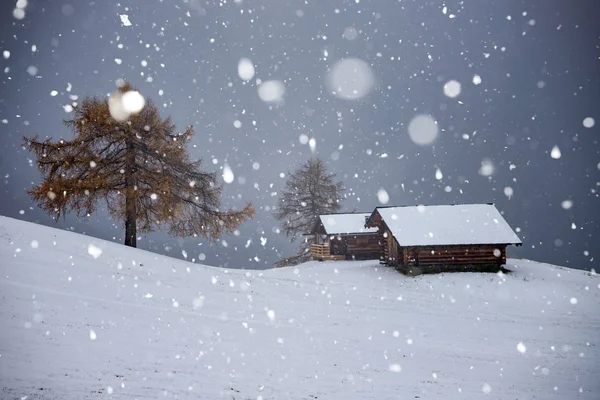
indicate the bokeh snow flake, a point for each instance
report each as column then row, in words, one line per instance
column 487, row 389
column 271, row 91
column 271, row 315
column 198, row 302
column 350, row 79
column 312, row 143
column 452, row 88
column 32, row 70
column 122, row 106
column 19, row 10
column 508, row 191
column 423, row 129
column 521, row 347
column 487, row 167
column 589, row 122
column 237, row 124
column 383, row 196
column 227, row 174
column 246, row 69
column 116, row 109
column 93, row 335
column 573, row 300
column 438, row 174
column 566, row 204
column 125, row 20
column 34, row 244
column 133, row 102
column 67, row 10
column 476, row 79
column 555, row 153
column 395, row 368
column 350, row 33
column 94, row 251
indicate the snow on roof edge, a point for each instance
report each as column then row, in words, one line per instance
column 346, row 223
column 426, row 229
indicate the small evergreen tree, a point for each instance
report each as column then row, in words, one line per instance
column 138, row 165
column 309, row 191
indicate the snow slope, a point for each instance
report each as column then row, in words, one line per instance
column 105, row 321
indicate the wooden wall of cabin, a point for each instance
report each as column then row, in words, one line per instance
column 394, row 251
column 389, row 251
column 455, row 255
column 362, row 246
column 336, row 246
column 355, row 246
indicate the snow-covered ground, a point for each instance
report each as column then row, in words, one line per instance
column 81, row 318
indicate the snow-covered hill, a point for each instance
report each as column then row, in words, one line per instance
column 81, row 318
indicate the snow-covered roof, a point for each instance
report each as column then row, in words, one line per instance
column 338, row 224
column 448, row 225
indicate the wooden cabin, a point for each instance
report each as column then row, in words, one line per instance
column 344, row 237
column 426, row 239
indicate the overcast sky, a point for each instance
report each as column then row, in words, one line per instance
column 528, row 74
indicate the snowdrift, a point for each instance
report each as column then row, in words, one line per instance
column 82, row 318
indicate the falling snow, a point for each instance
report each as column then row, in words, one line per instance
column 392, row 97
column 125, row 20
column 423, row 130
column 452, row 88
column 271, row 91
column 245, row 69
column 227, row 174
column 382, row 196
column 94, row 251
column 589, row 122
column 350, row 79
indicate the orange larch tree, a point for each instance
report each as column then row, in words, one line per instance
column 138, row 165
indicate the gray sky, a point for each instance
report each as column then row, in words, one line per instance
column 538, row 63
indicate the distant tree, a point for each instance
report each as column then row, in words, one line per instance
column 309, row 191
column 138, row 165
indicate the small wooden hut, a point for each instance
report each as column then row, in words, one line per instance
column 421, row 239
column 344, row 237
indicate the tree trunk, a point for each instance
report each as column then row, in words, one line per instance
column 130, row 197
column 130, row 221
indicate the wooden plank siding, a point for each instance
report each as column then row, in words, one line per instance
column 486, row 254
column 355, row 246
column 389, row 251
column 359, row 246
